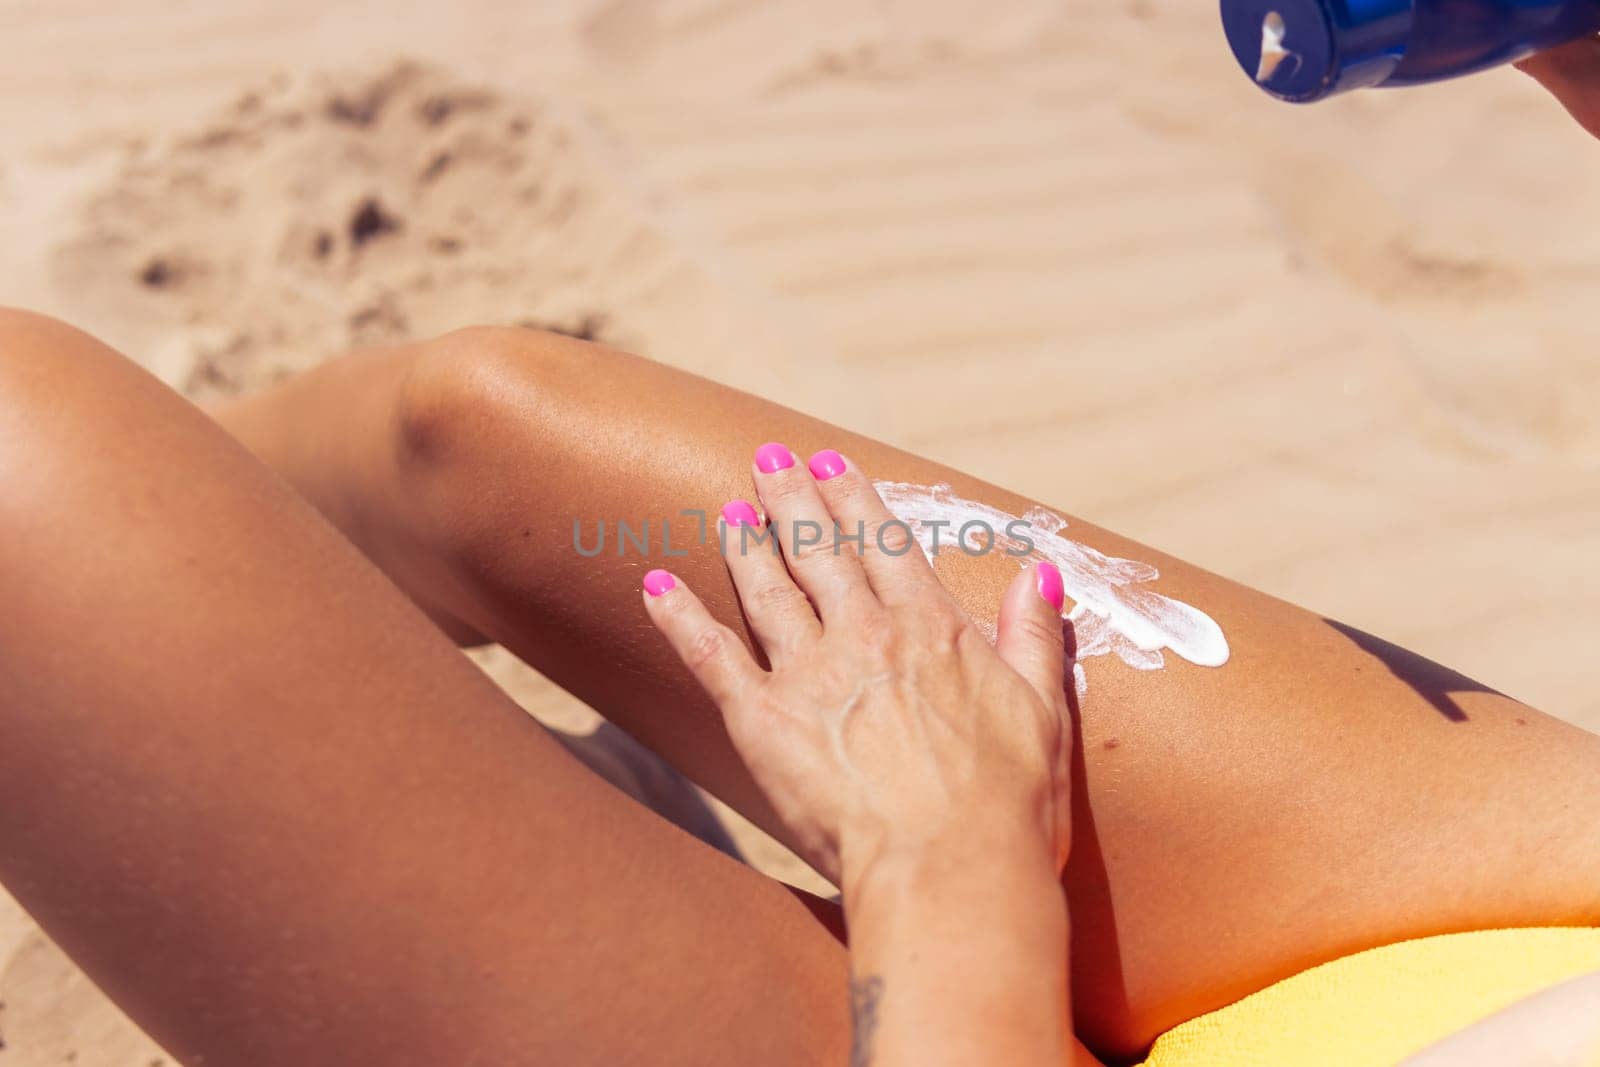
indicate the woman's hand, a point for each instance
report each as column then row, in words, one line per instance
column 1572, row 73
column 887, row 720
column 921, row 769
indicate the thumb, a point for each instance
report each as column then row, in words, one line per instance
column 1572, row 74
column 1032, row 639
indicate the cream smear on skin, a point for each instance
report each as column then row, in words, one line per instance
column 1112, row 614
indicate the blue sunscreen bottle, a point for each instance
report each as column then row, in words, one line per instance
column 1305, row 50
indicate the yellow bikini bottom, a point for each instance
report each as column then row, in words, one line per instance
column 1377, row 1007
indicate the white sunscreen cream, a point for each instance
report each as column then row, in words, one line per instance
column 1112, row 613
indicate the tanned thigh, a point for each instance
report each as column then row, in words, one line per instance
column 1318, row 792
column 281, row 819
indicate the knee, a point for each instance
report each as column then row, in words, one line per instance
column 14, row 320
column 478, row 413
column 30, row 345
column 36, row 372
column 65, row 398
column 466, row 391
column 40, row 354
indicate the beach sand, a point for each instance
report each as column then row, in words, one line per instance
column 1344, row 354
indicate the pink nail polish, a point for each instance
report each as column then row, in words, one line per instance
column 740, row 513
column 826, row 464
column 1050, row 587
column 772, row 458
column 658, row 582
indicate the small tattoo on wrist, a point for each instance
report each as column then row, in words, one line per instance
column 864, row 996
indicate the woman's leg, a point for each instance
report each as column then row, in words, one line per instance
column 281, row 820
column 1319, row 793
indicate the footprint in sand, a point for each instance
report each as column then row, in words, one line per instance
column 312, row 215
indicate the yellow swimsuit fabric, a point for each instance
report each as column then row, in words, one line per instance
column 1377, row 1007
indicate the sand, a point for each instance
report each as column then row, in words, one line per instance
column 1344, row 354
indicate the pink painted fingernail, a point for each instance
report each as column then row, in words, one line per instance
column 1050, row 587
column 658, row 582
column 826, row 464
column 740, row 513
column 772, row 458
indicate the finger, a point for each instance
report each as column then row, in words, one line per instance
column 830, row 575
column 1572, row 74
column 893, row 561
column 712, row 652
column 1032, row 638
column 779, row 614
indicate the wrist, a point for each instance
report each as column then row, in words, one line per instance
column 963, row 852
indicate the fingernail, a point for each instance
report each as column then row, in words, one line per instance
column 740, row 513
column 772, row 458
column 826, row 464
column 658, row 582
column 1050, row 587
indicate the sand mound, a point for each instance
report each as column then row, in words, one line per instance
column 316, row 214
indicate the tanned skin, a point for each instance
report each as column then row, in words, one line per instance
column 1572, row 74
column 1321, row 793
column 349, row 847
